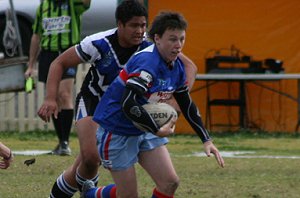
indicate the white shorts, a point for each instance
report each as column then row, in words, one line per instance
column 120, row 152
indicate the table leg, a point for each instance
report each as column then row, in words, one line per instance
column 298, row 104
column 243, row 104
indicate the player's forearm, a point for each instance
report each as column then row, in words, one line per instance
column 66, row 60
column 34, row 50
column 190, row 69
column 191, row 72
column 54, row 77
column 191, row 114
column 5, row 151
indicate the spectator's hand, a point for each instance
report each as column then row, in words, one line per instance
column 29, row 72
column 209, row 148
column 6, row 162
column 48, row 108
column 167, row 129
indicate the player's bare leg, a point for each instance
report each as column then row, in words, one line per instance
column 158, row 164
column 90, row 160
column 65, row 94
column 126, row 183
column 86, row 168
column 70, row 174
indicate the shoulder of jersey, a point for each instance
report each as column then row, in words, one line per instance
column 101, row 35
column 147, row 49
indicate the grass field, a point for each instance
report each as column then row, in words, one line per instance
column 271, row 170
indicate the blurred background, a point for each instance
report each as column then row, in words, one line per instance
column 245, row 32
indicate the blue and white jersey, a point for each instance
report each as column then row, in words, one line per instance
column 161, row 80
column 107, row 58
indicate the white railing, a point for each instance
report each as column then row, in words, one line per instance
column 18, row 110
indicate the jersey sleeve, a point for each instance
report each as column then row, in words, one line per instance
column 137, row 86
column 80, row 7
column 191, row 112
column 86, row 51
column 139, row 79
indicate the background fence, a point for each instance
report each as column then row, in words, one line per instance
column 18, row 110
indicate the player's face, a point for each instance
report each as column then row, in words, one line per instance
column 132, row 32
column 170, row 43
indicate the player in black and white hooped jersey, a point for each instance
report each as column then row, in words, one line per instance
column 107, row 52
column 107, row 57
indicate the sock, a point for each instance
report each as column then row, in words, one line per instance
column 62, row 189
column 109, row 191
column 80, row 180
column 157, row 194
column 57, row 126
column 66, row 120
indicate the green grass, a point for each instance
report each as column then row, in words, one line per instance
column 200, row 176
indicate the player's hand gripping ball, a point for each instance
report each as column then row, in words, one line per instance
column 162, row 113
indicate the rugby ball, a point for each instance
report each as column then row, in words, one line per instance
column 160, row 112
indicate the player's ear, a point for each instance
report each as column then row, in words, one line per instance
column 156, row 39
column 120, row 24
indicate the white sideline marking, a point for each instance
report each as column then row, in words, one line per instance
column 228, row 154
column 32, row 152
column 243, row 154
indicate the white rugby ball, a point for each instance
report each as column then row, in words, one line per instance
column 160, row 112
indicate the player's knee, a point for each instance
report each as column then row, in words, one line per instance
column 169, row 186
column 90, row 161
column 173, row 185
column 91, row 164
column 65, row 96
column 65, row 100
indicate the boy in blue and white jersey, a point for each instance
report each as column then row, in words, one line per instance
column 151, row 75
column 159, row 80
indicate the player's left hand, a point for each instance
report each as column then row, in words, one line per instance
column 209, row 148
column 167, row 129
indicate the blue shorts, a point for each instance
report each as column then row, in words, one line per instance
column 120, row 152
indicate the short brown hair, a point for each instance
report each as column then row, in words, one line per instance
column 167, row 20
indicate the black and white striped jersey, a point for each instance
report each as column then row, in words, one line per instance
column 107, row 58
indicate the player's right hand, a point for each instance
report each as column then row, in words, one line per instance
column 48, row 108
column 167, row 129
column 29, row 72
